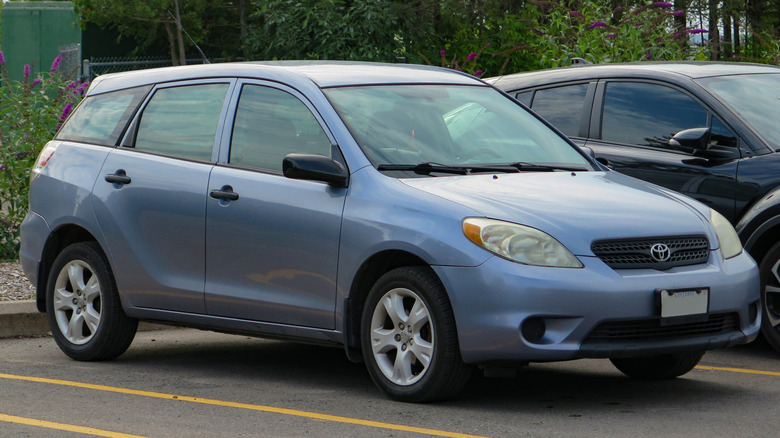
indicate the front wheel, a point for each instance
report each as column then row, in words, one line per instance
column 661, row 367
column 83, row 307
column 770, row 296
column 409, row 338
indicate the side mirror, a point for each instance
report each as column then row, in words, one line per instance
column 690, row 140
column 315, row 168
column 601, row 160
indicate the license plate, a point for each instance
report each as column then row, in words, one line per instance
column 684, row 304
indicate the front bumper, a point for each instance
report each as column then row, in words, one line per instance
column 505, row 311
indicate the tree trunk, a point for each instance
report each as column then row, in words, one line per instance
column 172, row 43
column 714, row 31
column 244, row 31
column 179, row 36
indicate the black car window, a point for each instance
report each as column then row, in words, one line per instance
column 525, row 97
column 562, row 106
column 182, row 121
column 270, row 124
column 101, row 119
column 721, row 135
column 648, row 114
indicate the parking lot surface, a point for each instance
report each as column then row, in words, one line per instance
column 184, row 382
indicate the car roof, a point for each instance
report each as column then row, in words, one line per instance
column 680, row 69
column 322, row 73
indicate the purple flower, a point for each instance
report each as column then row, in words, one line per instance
column 662, row 4
column 56, row 64
column 2, row 167
column 37, row 81
column 471, row 56
column 82, row 87
column 697, row 31
column 442, row 52
column 575, row 14
column 65, row 112
column 638, row 24
column 2, row 58
column 597, row 24
column 26, row 71
column 478, row 73
column 678, row 13
column 611, row 35
column 619, row 8
column 648, row 56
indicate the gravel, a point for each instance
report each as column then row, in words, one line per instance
column 13, row 284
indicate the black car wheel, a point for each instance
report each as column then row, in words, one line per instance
column 83, row 307
column 664, row 366
column 770, row 296
column 409, row 339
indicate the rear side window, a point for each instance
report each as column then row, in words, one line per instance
column 270, row 124
column 182, row 121
column 648, row 114
column 562, row 106
column 101, row 119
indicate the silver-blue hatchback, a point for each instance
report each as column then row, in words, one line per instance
column 414, row 215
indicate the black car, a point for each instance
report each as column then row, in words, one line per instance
column 708, row 130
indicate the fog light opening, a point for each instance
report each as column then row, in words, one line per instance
column 753, row 312
column 533, row 330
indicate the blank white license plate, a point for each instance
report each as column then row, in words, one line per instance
column 684, row 302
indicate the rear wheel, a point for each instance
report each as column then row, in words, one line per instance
column 409, row 338
column 83, row 307
column 661, row 367
column 770, row 296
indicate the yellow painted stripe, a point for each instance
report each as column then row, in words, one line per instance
column 66, row 427
column 738, row 370
column 284, row 411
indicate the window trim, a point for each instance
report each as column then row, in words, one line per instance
column 587, row 104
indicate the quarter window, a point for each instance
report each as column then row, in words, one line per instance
column 270, row 124
column 648, row 114
column 182, row 121
column 562, row 106
column 101, row 119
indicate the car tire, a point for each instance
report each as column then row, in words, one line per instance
column 770, row 296
column 661, row 367
column 409, row 339
column 83, row 306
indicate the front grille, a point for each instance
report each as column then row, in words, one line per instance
column 637, row 253
column 650, row 330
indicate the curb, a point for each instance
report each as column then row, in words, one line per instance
column 21, row 319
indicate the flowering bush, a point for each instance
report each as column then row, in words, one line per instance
column 599, row 34
column 31, row 111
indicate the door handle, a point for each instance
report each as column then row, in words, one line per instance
column 118, row 177
column 226, row 193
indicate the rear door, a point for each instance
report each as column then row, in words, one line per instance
column 151, row 196
column 272, row 242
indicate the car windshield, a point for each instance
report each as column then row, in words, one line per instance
column 449, row 129
column 755, row 97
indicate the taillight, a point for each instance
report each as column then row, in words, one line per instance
column 43, row 159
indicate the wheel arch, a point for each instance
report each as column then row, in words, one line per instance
column 58, row 240
column 368, row 273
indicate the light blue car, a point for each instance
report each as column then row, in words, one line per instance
column 414, row 215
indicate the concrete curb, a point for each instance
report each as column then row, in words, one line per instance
column 21, row 318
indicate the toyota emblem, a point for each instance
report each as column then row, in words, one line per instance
column 660, row 252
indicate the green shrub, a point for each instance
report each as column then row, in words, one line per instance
column 31, row 111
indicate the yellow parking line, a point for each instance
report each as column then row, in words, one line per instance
column 738, row 370
column 284, row 411
column 66, row 427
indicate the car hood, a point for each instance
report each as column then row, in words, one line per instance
column 576, row 208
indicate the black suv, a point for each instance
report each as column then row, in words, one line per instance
column 708, row 130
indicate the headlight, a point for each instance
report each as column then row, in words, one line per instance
column 519, row 243
column 729, row 241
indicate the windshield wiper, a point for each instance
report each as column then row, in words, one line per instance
column 522, row 166
column 429, row 167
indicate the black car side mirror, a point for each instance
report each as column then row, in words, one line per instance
column 690, row 140
column 315, row 168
